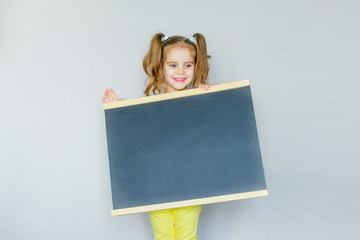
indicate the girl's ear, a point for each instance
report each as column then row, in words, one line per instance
column 202, row 64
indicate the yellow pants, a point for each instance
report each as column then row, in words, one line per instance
column 175, row 224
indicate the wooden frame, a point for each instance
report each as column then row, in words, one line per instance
column 259, row 191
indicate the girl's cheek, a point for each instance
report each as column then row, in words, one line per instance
column 191, row 71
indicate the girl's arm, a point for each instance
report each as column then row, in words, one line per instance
column 110, row 96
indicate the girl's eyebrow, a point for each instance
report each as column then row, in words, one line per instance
column 177, row 62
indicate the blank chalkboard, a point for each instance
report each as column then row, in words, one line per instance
column 185, row 148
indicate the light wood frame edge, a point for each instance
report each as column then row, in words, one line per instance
column 167, row 96
column 192, row 202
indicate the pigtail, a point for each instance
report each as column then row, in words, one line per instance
column 202, row 64
column 152, row 65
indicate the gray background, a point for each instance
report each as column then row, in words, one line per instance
column 57, row 58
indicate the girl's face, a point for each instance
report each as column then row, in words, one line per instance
column 178, row 69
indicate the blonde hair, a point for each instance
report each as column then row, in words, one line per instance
column 153, row 60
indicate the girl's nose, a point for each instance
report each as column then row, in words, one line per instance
column 180, row 70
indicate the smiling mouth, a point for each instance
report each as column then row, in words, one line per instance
column 179, row 79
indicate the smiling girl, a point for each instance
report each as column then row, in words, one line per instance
column 174, row 64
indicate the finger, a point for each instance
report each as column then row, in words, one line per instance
column 106, row 93
column 112, row 95
column 107, row 96
column 204, row 86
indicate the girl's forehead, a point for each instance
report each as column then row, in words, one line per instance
column 179, row 51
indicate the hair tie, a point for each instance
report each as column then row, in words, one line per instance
column 193, row 39
column 164, row 38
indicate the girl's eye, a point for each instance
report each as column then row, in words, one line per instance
column 188, row 65
column 172, row 65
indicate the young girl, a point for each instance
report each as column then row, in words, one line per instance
column 173, row 64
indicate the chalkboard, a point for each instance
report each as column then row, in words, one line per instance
column 185, row 148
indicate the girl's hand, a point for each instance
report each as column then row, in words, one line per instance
column 110, row 96
column 205, row 86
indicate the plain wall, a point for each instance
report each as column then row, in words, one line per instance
column 58, row 57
